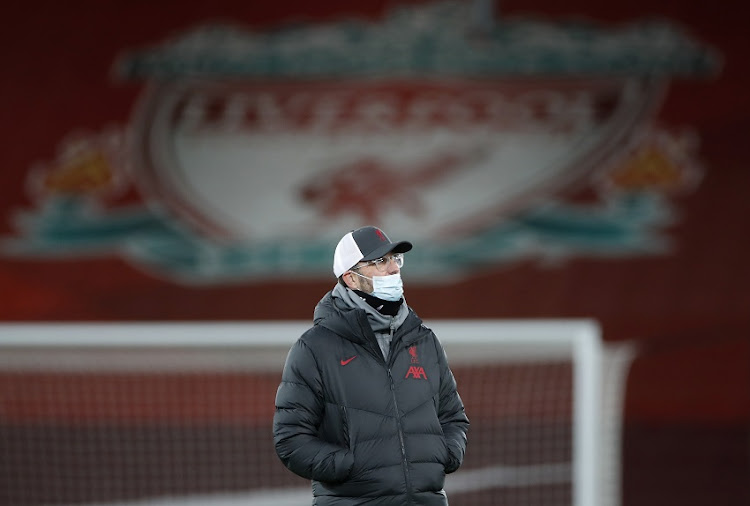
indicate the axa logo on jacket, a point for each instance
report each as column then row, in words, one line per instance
column 416, row 372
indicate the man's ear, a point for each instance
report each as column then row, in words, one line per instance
column 348, row 278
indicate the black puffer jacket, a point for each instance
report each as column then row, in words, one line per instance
column 366, row 431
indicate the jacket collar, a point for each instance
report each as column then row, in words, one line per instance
column 346, row 314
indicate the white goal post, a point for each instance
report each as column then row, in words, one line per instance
column 550, row 378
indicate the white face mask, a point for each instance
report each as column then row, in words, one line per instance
column 389, row 288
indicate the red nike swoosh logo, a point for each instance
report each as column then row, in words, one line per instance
column 344, row 362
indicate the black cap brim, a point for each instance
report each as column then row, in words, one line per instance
column 395, row 247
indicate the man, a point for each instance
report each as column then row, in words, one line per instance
column 367, row 407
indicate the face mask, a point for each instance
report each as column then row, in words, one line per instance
column 389, row 288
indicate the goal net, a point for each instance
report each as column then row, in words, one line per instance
column 176, row 414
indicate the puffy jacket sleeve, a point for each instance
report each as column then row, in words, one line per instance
column 453, row 419
column 298, row 414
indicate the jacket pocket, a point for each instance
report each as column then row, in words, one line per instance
column 334, row 427
column 345, row 427
column 445, row 453
column 451, row 463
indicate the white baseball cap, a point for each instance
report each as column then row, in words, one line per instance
column 363, row 244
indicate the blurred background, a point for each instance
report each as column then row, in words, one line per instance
column 198, row 161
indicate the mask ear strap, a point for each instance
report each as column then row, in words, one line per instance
column 353, row 272
column 360, row 275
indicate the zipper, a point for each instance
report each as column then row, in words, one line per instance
column 404, row 461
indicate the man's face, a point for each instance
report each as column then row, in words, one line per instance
column 384, row 266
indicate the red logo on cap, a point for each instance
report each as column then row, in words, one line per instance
column 380, row 234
